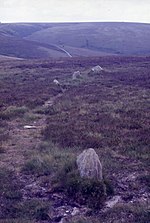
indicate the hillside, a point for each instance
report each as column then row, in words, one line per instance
column 13, row 44
column 43, row 128
column 43, row 40
column 118, row 38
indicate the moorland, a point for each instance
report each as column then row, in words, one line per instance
column 43, row 129
column 44, row 40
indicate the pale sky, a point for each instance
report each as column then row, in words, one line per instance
column 75, row 10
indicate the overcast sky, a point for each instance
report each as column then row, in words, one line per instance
column 74, row 10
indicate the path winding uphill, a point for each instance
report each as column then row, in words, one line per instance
column 65, row 51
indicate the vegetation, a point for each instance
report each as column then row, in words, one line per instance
column 61, row 165
column 108, row 112
column 9, row 189
column 13, row 112
column 79, row 39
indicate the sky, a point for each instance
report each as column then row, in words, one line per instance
column 75, row 11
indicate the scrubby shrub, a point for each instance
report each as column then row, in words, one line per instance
column 145, row 179
column 9, row 185
column 143, row 217
column 29, row 209
column 28, row 117
column 78, row 219
column 61, row 165
column 109, row 187
column 38, row 165
column 34, row 103
column 13, row 112
column 85, row 191
column 16, row 221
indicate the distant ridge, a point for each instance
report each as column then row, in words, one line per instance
column 44, row 40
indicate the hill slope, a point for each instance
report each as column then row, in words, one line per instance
column 43, row 40
column 18, row 47
column 118, row 38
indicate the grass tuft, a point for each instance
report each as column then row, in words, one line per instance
column 13, row 112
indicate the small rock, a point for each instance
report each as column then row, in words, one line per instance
column 55, row 81
column 76, row 75
column 75, row 211
column 112, row 202
column 30, row 127
column 97, row 69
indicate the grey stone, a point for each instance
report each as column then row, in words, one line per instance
column 76, row 75
column 97, row 69
column 89, row 165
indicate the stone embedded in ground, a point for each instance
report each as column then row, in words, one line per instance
column 76, row 75
column 113, row 201
column 89, row 165
column 97, row 69
column 75, row 211
column 55, row 81
column 30, row 127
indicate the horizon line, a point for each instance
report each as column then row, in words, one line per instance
column 5, row 22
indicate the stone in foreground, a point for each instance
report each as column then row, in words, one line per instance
column 89, row 165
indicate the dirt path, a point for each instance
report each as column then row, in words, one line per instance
column 23, row 138
column 65, row 51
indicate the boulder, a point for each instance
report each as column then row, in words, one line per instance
column 97, row 69
column 76, row 75
column 89, row 165
column 55, row 81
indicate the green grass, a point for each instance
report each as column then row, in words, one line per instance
column 4, row 132
column 27, row 210
column 82, row 220
column 61, row 166
column 13, row 205
column 40, row 165
column 95, row 116
column 9, row 185
column 47, row 159
column 109, row 113
column 13, row 112
column 139, row 213
column 31, row 209
column 20, row 220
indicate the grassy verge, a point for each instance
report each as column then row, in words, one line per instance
column 60, row 165
column 13, row 206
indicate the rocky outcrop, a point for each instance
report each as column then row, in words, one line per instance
column 89, row 165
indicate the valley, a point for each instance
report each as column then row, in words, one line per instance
column 53, row 40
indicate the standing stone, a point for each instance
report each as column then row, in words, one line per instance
column 76, row 75
column 55, row 81
column 89, row 165
column 97, row 69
